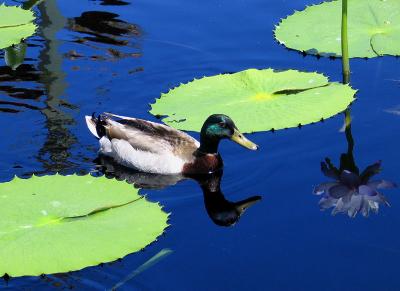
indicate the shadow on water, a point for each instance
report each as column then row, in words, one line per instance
column 352, row 191
column 220, row 210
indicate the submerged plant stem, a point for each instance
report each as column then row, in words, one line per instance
column 345, row 45
column 152, row 261
column 347, row 161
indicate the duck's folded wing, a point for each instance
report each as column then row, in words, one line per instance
column 149, row 136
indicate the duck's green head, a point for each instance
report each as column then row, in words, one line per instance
column 220, row 126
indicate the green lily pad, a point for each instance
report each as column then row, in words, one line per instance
column 15, row 24
column 257, row 100
column 373, row 29
column 57, row 223
column 15, row 55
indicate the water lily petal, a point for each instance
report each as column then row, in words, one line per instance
column 326, row 203
column 350, row 179
column 339, row 191
column 365, row 206
column 354, row 205
column 379, row 198
column 382, row 184
column 329, row 171
column 370, row 171
column 366, row 190
column 340, row 206
column 323, row 187
column 346, row 198
column 374, row 206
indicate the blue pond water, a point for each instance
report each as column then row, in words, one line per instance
column 76, row 66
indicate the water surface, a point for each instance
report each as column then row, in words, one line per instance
column 118, row 56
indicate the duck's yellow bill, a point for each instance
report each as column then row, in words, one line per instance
column 239, row 138
column 241, row 206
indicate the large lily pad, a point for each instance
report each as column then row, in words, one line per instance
column 257, row 100
column 15, row 24
column 373, row 29
column 59, row 223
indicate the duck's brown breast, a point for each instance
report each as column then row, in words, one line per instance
column 203, row 164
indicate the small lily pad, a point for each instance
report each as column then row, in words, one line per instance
column 57, row 223
column 373, row 29
column 15, row 55
column 257, row 100
column 15, row 24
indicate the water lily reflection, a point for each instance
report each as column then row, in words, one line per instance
column 351, row 192
column 220, row 210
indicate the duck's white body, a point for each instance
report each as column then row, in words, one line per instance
column 123, row 153
column 143, row 145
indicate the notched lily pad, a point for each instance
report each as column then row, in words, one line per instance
column 16, row 24
column 257, row 100
column 373, row 29
column 55, row 224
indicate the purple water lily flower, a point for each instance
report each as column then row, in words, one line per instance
column 351, row 192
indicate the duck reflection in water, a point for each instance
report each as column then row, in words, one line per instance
column 220, row 210
column 351, row 192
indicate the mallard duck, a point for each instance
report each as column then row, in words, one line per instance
column 157, row 148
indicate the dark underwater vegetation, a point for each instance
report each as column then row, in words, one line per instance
column 257, row 224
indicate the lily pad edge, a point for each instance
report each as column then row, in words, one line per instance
column 30, row 22
column 164, row 95
column 142, row 196
column 318, row 54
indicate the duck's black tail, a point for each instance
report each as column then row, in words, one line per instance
column 96, row 125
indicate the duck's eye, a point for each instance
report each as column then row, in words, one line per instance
column 222, row 124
